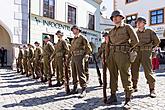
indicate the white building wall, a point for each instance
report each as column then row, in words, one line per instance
column 14, row 19
column 142, row 8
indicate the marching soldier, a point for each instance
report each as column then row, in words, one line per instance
column 19, row 60
column 30, row 60
column 80, row 50
column 37, row 61
column 122, row 39
column 148, row 40
column 61, row 49
column 25, row 60
column 47, row 52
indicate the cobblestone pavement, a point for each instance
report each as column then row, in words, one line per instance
column 18, row 92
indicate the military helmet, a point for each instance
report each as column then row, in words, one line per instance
column 59, row 33
column 75, row 27
column 36, row 42
column 141, row 19
column 117, row 13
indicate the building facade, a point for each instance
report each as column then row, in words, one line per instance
column 152, row 10
column 48, row 16
column 13, row 26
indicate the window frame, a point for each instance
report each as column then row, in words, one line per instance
column 135, row 14
column 67, row 14
column 126, row 1
column 150, row 16
column 94, row 20
column 48, row 10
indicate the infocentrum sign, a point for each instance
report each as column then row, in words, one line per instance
column 60, row 25
column 51, row 23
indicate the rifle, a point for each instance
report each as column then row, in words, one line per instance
column 97, row 69
column 66, row 84
column 104, row 79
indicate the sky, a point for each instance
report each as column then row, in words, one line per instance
column 109, row 5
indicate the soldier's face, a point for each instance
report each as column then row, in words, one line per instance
column 59, row 36
column 140, row 24
column 46, row 40
column 75, row 31
column 36, row 45
column 117, row 19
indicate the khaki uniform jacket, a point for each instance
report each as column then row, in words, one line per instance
column 25, row 54
column 102, row 49
column 80, row 44
column 148, row 38
column 30, row 53
column 48, row 49
column 61, row 49
column 38, row 53
column 123, row 35
column 20, row 55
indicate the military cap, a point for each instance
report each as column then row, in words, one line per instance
column 75, row 27
column 141, row 19
column 59, row 33
column 117, row 13
column 36, row 42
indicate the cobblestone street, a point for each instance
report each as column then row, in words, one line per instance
column 18, row 92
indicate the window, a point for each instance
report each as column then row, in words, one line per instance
column 48, row 8
column 157, row 17
column 131, row 19
column 91, row 23
column 71, row 15
column 128, row 1
column 50, row 35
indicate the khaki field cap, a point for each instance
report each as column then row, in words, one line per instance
column 141, row 19
column 75, row 27
column 59, row 33
column 117, row 13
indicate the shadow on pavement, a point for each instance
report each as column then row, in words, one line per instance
column 23, row 85
column 31, row 91
column 160, row 75
column 40, row 100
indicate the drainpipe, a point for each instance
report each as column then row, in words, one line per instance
column 29, row 19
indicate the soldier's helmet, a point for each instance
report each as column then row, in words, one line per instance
column 75, row 27
column 141, row 19
column 117, row 13
column 36, row 42
column 59, row 33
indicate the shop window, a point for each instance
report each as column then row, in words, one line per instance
column 91, row 23
column 71, row 15
column 129, row 1
column 51, row 37
column 48, row 8
column 131, row 19
column 157, row 17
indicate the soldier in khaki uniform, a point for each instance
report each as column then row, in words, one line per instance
column 30, row 60
column 61, row 49
column 37, row 61
column 80, row 51
column 122, row 39
column 47, row 52
column 25, row 60
column 148, row 40
column 20, row 57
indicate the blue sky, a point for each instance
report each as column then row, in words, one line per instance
column 109, row 5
